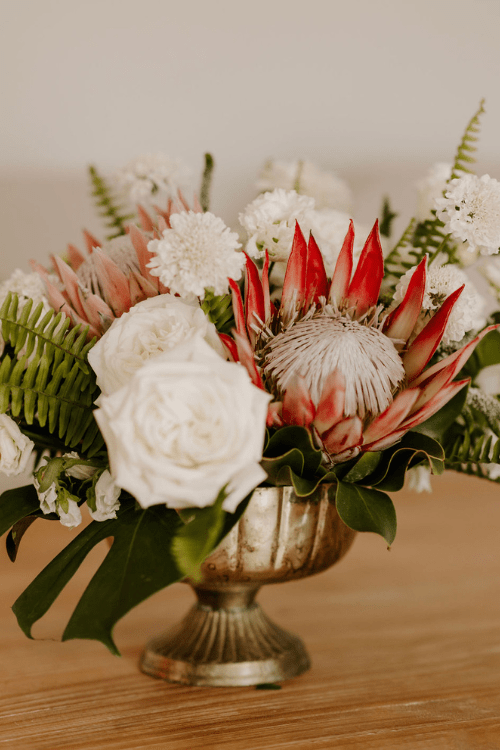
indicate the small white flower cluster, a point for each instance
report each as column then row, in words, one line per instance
column 102, row 500
column 150, row 179
column 470, row 211
column 327, row 189
column 441, row 281
column 27, row 285
column 199, row 252
column 270, row 222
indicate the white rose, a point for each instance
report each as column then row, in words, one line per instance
column 106, row 498
column 185, row 426
column 148, row 330
column 15, row 447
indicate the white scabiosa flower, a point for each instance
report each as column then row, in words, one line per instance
column 470, row 211
column 327, row 189
column 15, row 447
column 150, row 179
column 150, row 328
column 270, row 222
column 430, row 188
column 27, row 285
column 106, row 498
column 199, row 252
column 440, row 282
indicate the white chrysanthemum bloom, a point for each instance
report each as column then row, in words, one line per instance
column 440, row 282
column 419, row 479
column 430, row 188
column 151, row 178
column 327, row 189
column 150, row 328
column 470, row 211
column 106, row 498
column 199, row 252
column 15, row 448
column 270, row 222
column 491, row 272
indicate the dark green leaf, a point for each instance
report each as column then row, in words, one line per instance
column 16, row 534
column 293, row 459
column 268, row 686
column 411, row 450
column 364, row 509
column 298, row 438
column 488, row 350
column 16, row 504
column 139, row 563
column 364, row 467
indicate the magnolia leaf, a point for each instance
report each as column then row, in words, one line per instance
column 413, row 449
column 16, row 504
column 302, row 487
column 364, row 509
column 364, row 467
column 291, row 437
column 294, row 459
column 488, row 350
column 198, row 537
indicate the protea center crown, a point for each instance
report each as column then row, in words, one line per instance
column 337, row 362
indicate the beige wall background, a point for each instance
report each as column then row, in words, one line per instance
column 377, row 91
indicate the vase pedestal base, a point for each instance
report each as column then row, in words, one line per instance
column 225, row 640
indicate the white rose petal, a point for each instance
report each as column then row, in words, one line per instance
column 48, row 499
column 149, row 329
column 184, row 427
column 79, row 471
column 15, row 447
column 106, row 498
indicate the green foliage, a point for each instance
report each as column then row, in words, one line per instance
column 467, row 147
column 400, row 259
column 45, row 379
column 206, row 182
column 143, row 559
column 112, row 214
column 219, row 310
column 16, row 505
column 366, row 509
column 386, row 218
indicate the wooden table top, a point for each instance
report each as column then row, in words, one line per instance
column 405, row 648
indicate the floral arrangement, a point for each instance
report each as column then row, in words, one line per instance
column 161, row 376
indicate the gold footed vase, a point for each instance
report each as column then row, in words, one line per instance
column 226, row 639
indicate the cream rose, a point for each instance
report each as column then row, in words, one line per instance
column 148, row 330
column 187, row 425
column 15, row 447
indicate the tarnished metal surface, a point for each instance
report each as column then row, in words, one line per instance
column 226, row 639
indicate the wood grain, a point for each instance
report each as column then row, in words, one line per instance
column 405, row 647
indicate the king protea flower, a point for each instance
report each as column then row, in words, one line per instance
column 111, row 277
column 336, row 361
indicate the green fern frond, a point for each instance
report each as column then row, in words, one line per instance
column 466, row 147
column 398, row 262
column 206, row 182
column 45, row 379
column 115, row 221
column 472, row 450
